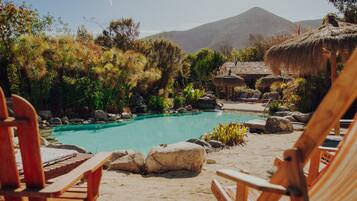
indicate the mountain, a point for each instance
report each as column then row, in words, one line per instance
column 234, row 31
column 310, row 24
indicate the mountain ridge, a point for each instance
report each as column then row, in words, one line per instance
column 234, row 30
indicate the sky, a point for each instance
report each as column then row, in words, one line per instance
column 167, row 15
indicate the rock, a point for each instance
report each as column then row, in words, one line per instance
column 68, row 146
column 137, row 104
column 113, row 117
column 181, row 110
column 202, row 143
column 39, row 119
column 121, row 153
column 76, row 121
column 45, row 114
column 278, row 125
column 283, row 113
column 255, row 125
column 216, row 144
column 179, row 156
column 44, row 142
column 188, row 107
column 291, row 118
column 133, row 162
column 271, row 96
column 65, row 120
column 55, row 121
column 211, row 161
column 301, row 117
column 100, row 115
column 206, row 102
column 126, row 115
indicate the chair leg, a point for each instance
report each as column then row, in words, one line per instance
column 242, row 192
column 93, row 182
column 296, row 178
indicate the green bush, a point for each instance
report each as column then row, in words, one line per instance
column 179, row 101
column 230, row 134
column 191, row 94
column 305, row 94
column 159, row 104
column 274, row 107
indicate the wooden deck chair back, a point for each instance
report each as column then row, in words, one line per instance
column 25, row 119
column 339, row 182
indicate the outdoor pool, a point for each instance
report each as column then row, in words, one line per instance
column 144, row 132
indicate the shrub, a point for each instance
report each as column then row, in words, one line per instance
column 159, row 104
column 274, row 107
column 230, row 134
column 179, row 101
column 239, row 90
column 191, row 94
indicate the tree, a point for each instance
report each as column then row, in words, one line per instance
column 29, row 61
column 204, row 64
column 169, row 58
column 15, row 21
column 121, row 34
column 348, row 8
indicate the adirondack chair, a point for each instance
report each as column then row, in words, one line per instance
column 324, row 155
column 35, row 186
column 339, row 182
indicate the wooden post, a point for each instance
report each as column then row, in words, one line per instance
column 333, row 60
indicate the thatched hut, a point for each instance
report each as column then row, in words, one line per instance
column 228, row 82
column 313, row 51
column 310, row 52
column 249, row 71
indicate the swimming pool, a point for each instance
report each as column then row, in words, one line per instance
column 144, row 132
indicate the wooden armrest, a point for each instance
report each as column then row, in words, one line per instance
column 68, row 180
column 251, row 181
column 330, row 149
column 64, row 182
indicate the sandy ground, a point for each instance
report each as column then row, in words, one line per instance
column 256, row 158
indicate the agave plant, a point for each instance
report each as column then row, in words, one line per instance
column 230, row 134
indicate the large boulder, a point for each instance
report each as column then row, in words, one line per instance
column 100, row 115
column 301, row 117
column 179, row 156
column 206, row 102
column 278, row 125
column 202, row 143
column 131, row 162
column 216, row 144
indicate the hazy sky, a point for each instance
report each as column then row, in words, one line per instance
column 167, row 15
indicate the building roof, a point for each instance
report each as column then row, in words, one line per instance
column 245, row 68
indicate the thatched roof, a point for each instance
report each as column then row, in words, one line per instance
column 245, row 68
column 309, row 53
column 228, row 80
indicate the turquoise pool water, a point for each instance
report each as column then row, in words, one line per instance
column 144, row 132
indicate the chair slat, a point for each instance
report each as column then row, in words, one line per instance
column 9, row 176
column 29, row 141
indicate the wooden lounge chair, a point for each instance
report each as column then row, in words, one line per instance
column 339, row 182
column 35, row 186
column 324, row 156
